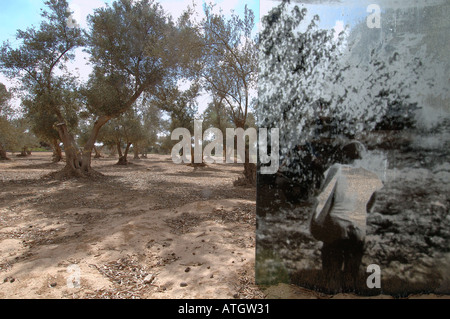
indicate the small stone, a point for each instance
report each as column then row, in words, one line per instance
column 188, row 269
column 53, row 284
column 183, row 284
column 149, row 279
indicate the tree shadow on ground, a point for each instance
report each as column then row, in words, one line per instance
column 315, row 279
column 50, row 165
column 77, row 206
column 75, row 226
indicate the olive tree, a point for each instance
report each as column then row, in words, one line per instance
column 134, row 48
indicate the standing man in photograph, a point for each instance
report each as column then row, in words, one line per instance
column 339, row 219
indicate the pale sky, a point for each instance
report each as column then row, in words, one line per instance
column 21, row 14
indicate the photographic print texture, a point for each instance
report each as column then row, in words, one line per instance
column 360, row 94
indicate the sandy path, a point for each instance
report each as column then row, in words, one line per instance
column 150, row 230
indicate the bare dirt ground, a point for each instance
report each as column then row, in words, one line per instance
column 151, row 229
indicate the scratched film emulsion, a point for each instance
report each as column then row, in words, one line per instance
column 360, row 93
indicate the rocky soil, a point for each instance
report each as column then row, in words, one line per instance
column 408, row 228
column 151, row 229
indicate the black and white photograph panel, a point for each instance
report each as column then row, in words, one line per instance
column 358, row 93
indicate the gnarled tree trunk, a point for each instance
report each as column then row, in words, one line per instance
column 90, row 144
column 3, row 154
column 112, row 151
column 119, row 149
column 78, row 163
column 97, row 153
column 57, row 152
column 73, row 154
column 136, row 152
column 193, row 163
column 123, row 160
column 25, row 152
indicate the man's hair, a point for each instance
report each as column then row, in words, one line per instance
column 351, row 151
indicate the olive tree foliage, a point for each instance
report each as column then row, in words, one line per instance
column 180, row 105
column 7, row 131
column 231, row 67
column 153, row 125
column 320, row 95
column 387, row 91
column 398, row 68
column 296, row 59
column 307, row 74
column 15, row 132
column 24, row 138
column 231, row 64
column 123, row 131
column 42, row 119
column 134, row 48
column 42, row 51
column 216, row 115
column 5, row 96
